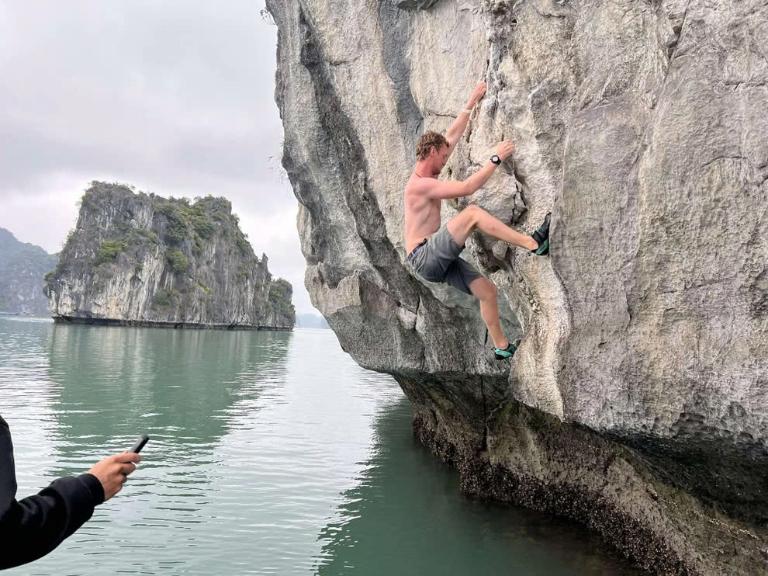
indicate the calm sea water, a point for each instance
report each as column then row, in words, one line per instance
column 271, row 453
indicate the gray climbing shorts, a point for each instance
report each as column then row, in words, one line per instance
column 437, row 260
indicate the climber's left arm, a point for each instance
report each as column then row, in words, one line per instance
column 460, row 124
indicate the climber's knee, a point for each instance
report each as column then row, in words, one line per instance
column 483, row 289
column 473, row 213
column 462, row 225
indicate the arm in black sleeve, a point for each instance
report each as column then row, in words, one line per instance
column 32, row 527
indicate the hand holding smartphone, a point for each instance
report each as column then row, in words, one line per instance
column 113, row 471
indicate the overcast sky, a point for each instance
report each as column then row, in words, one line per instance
column 173, row 97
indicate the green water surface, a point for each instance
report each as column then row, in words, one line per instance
column 271, row 453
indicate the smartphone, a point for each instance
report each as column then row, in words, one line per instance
column 139, row 444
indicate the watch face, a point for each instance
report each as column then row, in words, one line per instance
column 495, row 159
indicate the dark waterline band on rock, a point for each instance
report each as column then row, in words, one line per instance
column 532, row 459
column 174, row 325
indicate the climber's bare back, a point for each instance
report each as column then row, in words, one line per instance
column 422, row 213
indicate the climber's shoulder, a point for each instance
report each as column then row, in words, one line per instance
column 419, row 184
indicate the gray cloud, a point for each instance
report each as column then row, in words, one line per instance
column 174, row 97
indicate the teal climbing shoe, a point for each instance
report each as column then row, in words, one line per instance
column 541, row 235
column 505, row 353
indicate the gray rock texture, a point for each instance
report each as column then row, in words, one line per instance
column 22, row 268
column 637, row 400
column 140, row 259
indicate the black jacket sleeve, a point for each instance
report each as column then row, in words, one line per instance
column 32, row 527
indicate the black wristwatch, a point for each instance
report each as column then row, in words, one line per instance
column 495, row 159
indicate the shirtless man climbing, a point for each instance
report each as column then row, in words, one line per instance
column 433, row 251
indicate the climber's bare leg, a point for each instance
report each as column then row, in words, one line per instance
column 485, row 291
column 461, row 226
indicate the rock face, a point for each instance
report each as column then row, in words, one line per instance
column 637, row 401
column 22, row 268
column 140, row 259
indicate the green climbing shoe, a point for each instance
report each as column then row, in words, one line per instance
column 541, row 235
column 508, row 352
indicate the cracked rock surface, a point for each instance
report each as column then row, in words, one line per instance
column 637, row 400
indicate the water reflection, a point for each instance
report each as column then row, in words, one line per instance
column 26, row 397
column 117, row 382
column 111, row 384
column 406, row 516
column 108, row 385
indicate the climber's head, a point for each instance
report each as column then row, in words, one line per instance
column 432, row 151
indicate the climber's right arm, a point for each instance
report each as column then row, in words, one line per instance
column 446, row 189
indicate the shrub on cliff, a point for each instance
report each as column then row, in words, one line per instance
column 280, row 294
column 200, row 221
column 178, row 261
column 164, row 298
column 108, row 251
column 176, row 228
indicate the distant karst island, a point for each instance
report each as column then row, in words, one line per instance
column 138, row 259
column 22, row 267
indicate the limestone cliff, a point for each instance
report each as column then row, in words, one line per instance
column 140, row 259
column 637, row 401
